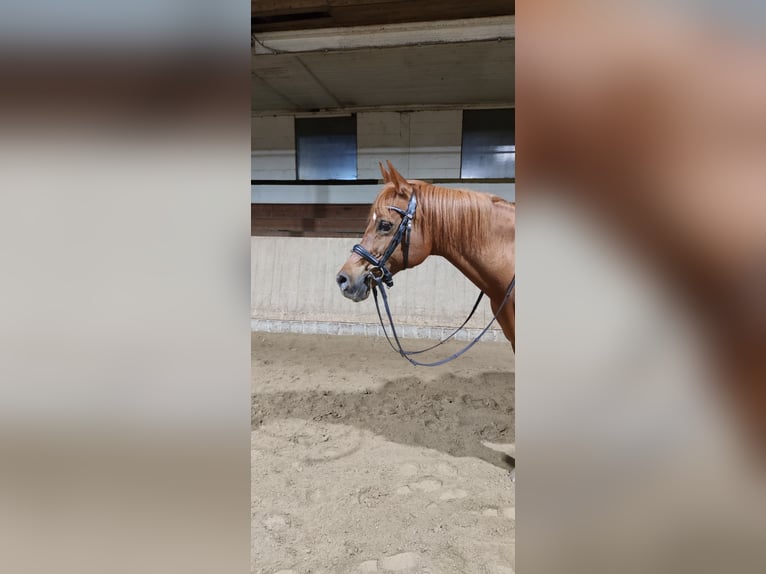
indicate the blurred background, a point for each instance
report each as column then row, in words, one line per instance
column 641, row 321
column 124, row 357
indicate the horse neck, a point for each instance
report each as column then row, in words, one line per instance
column 489, row 264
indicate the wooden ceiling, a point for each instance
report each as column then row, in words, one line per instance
column 278, row 15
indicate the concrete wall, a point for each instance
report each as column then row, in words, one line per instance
column 293, row 280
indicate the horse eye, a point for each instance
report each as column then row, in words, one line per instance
column 384, row 226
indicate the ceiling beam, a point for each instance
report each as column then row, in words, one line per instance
column 329, row 39
column 274, row 15
column 346, row 110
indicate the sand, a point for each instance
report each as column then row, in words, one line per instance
column 364, row 463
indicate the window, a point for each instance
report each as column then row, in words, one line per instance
column 325, row 148
column 489, row 144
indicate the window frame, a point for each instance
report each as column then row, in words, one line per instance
column 297, row 120
column 485, row 176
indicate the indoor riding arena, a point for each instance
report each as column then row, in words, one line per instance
column 362, row 462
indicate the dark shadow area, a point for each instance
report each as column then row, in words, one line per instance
column 451, row 414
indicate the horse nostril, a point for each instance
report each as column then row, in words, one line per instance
column 342, row 280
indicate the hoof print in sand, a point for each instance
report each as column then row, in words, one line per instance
column 276, row 522
column 453, row 494
column 426, row 485
column 400, row 562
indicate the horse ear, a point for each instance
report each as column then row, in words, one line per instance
column 403, row 187
column 386, row 176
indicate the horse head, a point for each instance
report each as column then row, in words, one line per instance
column 392, row 241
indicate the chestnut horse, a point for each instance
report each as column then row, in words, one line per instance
column 474, row 231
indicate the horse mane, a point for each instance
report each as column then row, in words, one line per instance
column 456, row 219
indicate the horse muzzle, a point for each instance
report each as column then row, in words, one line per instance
column 356, row 290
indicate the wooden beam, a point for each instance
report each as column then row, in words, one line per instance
column 317, row 210
column 272, row 15
column 308, row 220
column 278, row 233
column 286, row 6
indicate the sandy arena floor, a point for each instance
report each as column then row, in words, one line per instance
column 364, row 463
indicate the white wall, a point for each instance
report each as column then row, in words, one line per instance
column 272, row 144
column 423, row 144
column 419, row 144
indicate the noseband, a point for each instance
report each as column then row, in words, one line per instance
column 401, row 237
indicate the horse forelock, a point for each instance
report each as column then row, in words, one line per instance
column 385, row 198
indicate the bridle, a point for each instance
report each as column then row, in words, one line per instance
column 382, row 275
column 401, row 237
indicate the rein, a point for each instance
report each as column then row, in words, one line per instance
column 383, row 276
column 406, row 354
